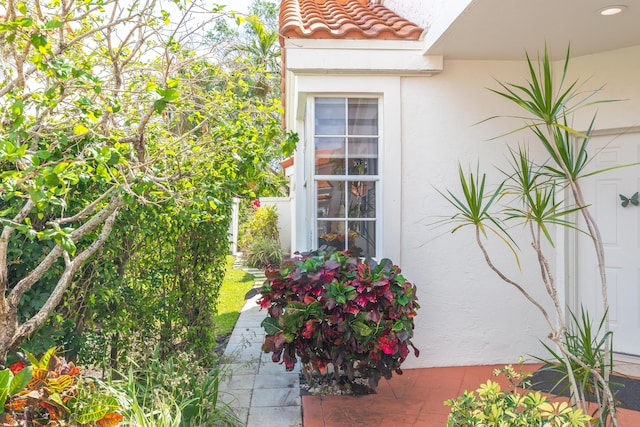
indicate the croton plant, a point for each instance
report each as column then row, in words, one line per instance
column 331, row 308
column 49, row 391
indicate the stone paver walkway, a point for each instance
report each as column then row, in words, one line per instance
column 261, row 392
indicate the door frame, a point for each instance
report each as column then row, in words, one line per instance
column 569, row 266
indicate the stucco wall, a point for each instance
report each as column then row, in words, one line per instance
column 617, row 73
column 429, row 14
column 468, row 315
column 283, row 208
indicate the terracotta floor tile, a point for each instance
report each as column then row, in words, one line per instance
column 312, row 411
column 628, row 418
column 434, row 402
column 397, row 423
column 414, row 399
column 353, row 416
column 330, row 403
column 430, row 419
column 385, row 389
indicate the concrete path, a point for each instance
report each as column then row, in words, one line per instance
column 261, row 392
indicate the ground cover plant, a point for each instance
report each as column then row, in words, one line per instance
column 50, row 391
column 340, row 314
column 260, row 238
column 489, row 405
column 172, row 392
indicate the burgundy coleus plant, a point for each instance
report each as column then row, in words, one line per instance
column 328, row 307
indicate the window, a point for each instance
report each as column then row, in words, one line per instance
column 346, row 145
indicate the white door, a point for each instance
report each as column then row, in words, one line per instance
column 620, row 229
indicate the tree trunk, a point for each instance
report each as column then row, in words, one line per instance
column 8, row 327
column 113, row 354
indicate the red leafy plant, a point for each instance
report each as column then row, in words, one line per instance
column 330, row 308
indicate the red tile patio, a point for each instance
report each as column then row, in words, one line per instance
column 413, row 399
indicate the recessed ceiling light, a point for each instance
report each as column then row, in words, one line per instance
column 612, row 10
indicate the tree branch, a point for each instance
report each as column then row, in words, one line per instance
column 4, row 245
column 55, row 52
column 511, row 282
column 86, row 211
column 34, row 275
column 71, row 268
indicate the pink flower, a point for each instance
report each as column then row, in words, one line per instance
column 256, row 204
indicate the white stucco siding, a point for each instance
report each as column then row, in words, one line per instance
column 617, row 72
column 468, row 315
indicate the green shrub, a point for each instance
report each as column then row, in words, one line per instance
column 587, row 344
column 331, row 308
column 262, row 253
column 490, row 406
column 262, row 225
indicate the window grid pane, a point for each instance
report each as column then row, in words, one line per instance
column 346, row 148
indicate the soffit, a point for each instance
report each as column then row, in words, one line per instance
column 343, row 19
column 499, row 29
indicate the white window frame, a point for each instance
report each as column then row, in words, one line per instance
column 314, row 178
column 389, row 89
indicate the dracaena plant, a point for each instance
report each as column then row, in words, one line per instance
column 330, row 308
column 530, row 194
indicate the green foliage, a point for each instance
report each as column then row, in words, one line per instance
column 263, row 252
column 173, row 392
column 51, row 391
column 255, row 47
column 328, row 307
column 259, row 238
column 261, row 225
column 587, row 345
column 491, row 406
column 120, row 156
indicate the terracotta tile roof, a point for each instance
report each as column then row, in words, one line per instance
column 343, row 19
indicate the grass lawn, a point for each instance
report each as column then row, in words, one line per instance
column 231, row 298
